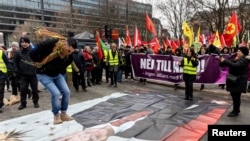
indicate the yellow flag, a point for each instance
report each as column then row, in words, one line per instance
column 217, row 42
column 186, row 29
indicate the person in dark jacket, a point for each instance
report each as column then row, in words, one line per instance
column 169, row 51
column 213, row 49
column 237, row 67
column 121, row 64
column 53, row 63
column 96, row 79
column 22, row 65
column 161, row 51
column 128, row 68
column 78, row 66
column 189, row 64
column 143, row 50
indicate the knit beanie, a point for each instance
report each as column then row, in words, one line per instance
column 244, row 50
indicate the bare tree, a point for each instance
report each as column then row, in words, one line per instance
column 243, row 15
column 212, row 14
column 175, row 12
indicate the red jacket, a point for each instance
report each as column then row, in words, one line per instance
column 89, row 65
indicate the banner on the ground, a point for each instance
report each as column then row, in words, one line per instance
column 166, row 68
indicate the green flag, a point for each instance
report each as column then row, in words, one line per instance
column 104, row 47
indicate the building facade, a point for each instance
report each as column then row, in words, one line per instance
column 70, row 16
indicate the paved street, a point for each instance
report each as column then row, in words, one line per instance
column 97, row 91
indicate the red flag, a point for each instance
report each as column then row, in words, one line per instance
column 168, row 42
column 232, row 29
column 128, row 40
column 202, row 39
column 150, row 25
column 222, row 41
column 177, row 42
column 174, row 46
column 154, row 43
column 210, row 38
column 98, row 43
column 137, row 37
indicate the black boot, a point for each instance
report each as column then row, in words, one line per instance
column 22, row 106
column 232, row 114
column 202, row 87
column 36, row 105
column 29, row 93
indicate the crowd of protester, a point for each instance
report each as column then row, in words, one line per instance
column 85, row 69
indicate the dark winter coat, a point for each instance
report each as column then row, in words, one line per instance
column 22, row 63
column 57, row 65
column 79, row 60
column 238, row 68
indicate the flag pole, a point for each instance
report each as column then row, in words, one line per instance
column 237, row 36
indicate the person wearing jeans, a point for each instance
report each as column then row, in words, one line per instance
column 56, row 86
column 51, row 70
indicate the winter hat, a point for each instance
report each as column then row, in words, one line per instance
column 15, row 44
column 244, row 50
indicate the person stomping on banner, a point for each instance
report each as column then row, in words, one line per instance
column 51, row 57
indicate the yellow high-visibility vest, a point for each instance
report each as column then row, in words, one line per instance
column 188, row 67
column 69, row 68
column 3, row 66
column 105, row 52
column 113, row 60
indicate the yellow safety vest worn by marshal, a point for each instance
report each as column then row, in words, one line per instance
column 69, row 68
column 113, row 60
column 188, row 67
column 105, row 52
column 3, row 67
